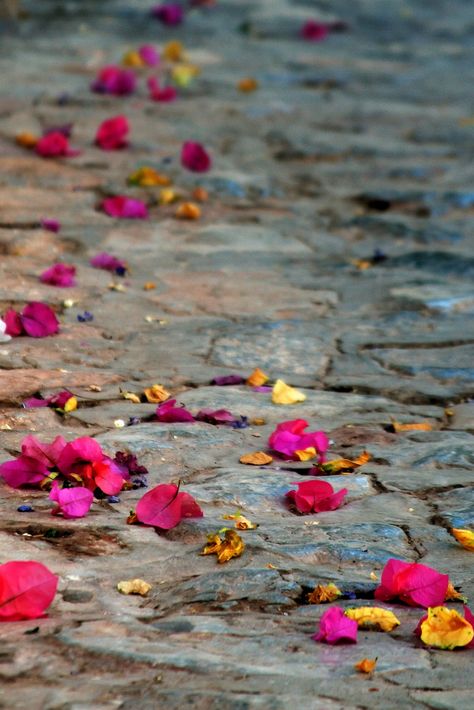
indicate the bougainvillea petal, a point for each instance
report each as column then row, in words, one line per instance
column 72, row 502
column 316, row 496
column 23, row 471
column 39, row 320
column 26, row 590
column 168, row 413
column 215, row 416
column 80, row 450
column 60, row 274
column 43, row 452
column 168, row 13
column 124, row 207
column 224, row 380
column 112, row 133
column 149, row 55
column 290, row 437
column 194, row 157
column 162, row 507
column 413, row 583
column 13, row 324
column 284, row 394
column 373, row 617
column 336, row 627
column 161, row 93
column 107, row 477
column 115, row 80
column 51, row 225
column 108, row 262
column 314, row 31
column 54, row 145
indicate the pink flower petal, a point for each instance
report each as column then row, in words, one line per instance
column 27, row 588
column 13, row 324
column 316, row 496
column 51, row 225
column 112, row 133
column 23, row 471
column 47, row 454
column 39, row 320
column 164, row 507
column 108, row 477
column 194, row 157
column 59, row 275
column 124, row 207
column 335, row 627
column 72, row 502
column 115, row 80
column 413, row 583
column 108, row 262
column 149, row 55
column 166, row 412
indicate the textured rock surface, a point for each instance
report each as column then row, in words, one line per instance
column 351, row 145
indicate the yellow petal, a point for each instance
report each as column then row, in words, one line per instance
column 231, row 546
column 71, row 404
column 346, row 464
column 148, row 177
column 416, row 426
column 323, row 594
column 132, row 59
column 188, row 210
column 27, row 140
column 167, row 196
column 183, row 74
column 306, row 454
column 257, row 378
column 173, row 51
column 259, row 458
column 131, row 396
column 241, row 522
column 284, row 394
column 445, row 628
column 366, row 665
column 156, row 394
column 373, row 617
column 134, row 586
column 452, row 595
column 464, row 537
column 247, row 84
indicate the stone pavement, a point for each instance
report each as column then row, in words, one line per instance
column 359, row 143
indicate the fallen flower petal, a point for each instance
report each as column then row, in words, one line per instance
column 114, row 80
column 134, row 586
column 336, row 627
column 60, row 274
column 452, row 595
column 241, row 522
column 168, row 13
column 418, row 426
column 346, row 465
column 315, row 496
column 161, row 93
column 413, row 583
column 194, row 157
column 168, row 413
column 26, row 590
column 149, row 55
column 231, row 546
column 124, row 207
column 173, row 51
column 373, row 617
column 315, row 31
column 464, row 537
column 188, row 210
column 23, row 471
column 224, row 380
column 37, row 320
column 183, row 74
column 284, row 394
column 324, row 594
column 216, row 416
column 148, row 177
column 26, row 140
column 156, row 394
column 165, row 506
column 247, row 85
column 259, row 458
column 109, row 263
column 51, row 225
column 71, row 502
column 54, row 145
column 366, row 665
column 200, row 194
column 306, row 454
column 445, row 628
column 257, row 378
column 112, row 133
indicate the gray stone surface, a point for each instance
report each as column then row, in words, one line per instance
column 350, row 148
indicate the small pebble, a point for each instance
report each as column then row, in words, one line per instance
column 25, row 509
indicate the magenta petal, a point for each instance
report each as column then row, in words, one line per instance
column 72, row 502
column 315, row 31
column 223, row 380
column 149, row 55
column 164, row 507
column 39, row 320
column 108, row 262
column 108, row 476
column 469, row 616
column 413, row 583
column 23, row 471
column 51, row 225
column 215, row 416
column 332, row 502
column 194, row 157
column 44, row 453
column 166, row 412
column 83, row 449
column 335, row 627
column 115, row 80
column 168, row 13
column 112, row 133
column 59, row 275
column 13, row 324
column 124, row 207
column 34, row 402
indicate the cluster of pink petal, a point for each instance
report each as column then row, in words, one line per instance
column 161, row 93
column 412, row 583
column 165, row 506
column 168, row 13
column 149, row 55
column 124, row 207
column 36, row 320
column 314, row 31
column 115, row 80
column 316, row 496
column 60, row 274
column 76, row 464
column 57, row 401
column 290, row 436
column 112, row 133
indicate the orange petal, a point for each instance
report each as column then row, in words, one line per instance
column 445, row 628
column 188, row 210
column 464, row 537
column 366, row 665
column 257, row 378
column 416, row 426
column 259, row 458
column 156, row 394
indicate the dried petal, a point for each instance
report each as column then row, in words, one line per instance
column 446, row 628
column 464, row 537
column 259, row 458
column 156, row 394
column 366, row 665
column 373, row 617
column 323, row 594
column 188, row 210
column 134, row 586
column 257, row 378
column 231, row 546
column 284, row 394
